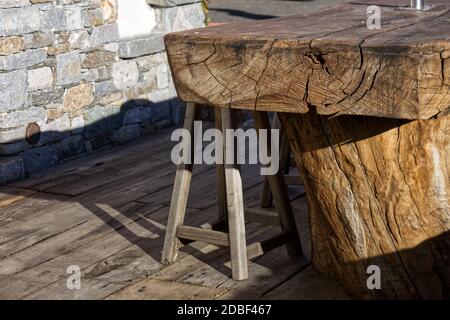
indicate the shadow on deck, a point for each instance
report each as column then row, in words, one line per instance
column 106, row 214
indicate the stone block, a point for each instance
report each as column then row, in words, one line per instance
column 13, row 148
column 78, row 97
column 70, row 147
column 108, row 9
column 104, row 73
column 22, row 117
column 137, row 115
column 24, row 59
column 160, row 104
column 92, row 17
column 79, row 39
column 127, row 133
column 77, row 125
column 46, row 96
column 102, row 120
column 41, row 78
column 12, row 135
column 73, row 16
column 13, row 90
column 136, row 47
column 90, row 75
column 11, row 45
column 61, row 44
column 19, row 21
column 54, row 111
column 53, row 19
column 55, row 130
column 115, row 98
column 68, row 68
column 38, row 159
column 151, row 62
column 11, row 169
column 147, row 84
column 98, row 58
column 125, row 74
column 13, row 3
column 38, row 39
column 104, row 88
column 104, row 34
column 111, row 47
column 162, row 76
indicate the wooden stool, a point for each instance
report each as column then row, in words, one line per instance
column 231, row 208
column 285, row 164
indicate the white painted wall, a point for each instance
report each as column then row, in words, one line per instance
column 135, row 17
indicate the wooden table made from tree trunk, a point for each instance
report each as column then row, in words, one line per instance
column 367, row 116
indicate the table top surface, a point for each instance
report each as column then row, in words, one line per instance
column 328, row 59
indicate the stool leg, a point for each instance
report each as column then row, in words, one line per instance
column 220, row 173
column 280, row 195
column 267, row 198
column 235, row 205
column 180, row 194
column 285, row 152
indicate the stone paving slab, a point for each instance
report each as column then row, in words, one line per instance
column 244, row 10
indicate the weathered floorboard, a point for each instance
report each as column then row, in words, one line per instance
column 312, row 287
column 114, row 235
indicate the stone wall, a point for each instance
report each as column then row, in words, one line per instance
column 69, row 85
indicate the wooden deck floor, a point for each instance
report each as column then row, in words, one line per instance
column 106, row 214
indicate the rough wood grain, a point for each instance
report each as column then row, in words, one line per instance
column 379, row 194
column 329, row 59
